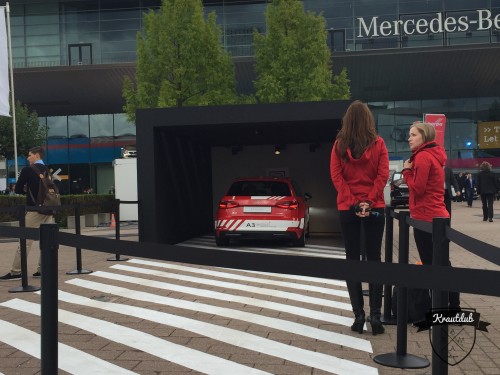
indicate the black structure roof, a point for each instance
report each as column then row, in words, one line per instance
column 376, row 75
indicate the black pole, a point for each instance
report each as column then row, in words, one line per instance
column 400, row 359
column 24, row 262
column 78, row 231
column 440, row 257
column 116, row 209
column 49, row 246
column 387, row 318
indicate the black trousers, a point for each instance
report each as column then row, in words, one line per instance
column 447, row 202
column 487, row 200
column 424, row 247
column 373, row 229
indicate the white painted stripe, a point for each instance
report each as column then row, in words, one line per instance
column 301, row 311
column 70, row 359
column 247, row 288
column 230, row 336
column 280, row 324
column 189, row 358
column 237, row 277
column 270, row 251
column 297, row 277
column 235, row 225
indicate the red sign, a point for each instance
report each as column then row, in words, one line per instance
column 439, row 123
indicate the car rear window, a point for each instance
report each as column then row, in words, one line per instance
column 262, row 188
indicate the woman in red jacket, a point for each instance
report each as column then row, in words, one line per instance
column 359, row 168
column 424, row 175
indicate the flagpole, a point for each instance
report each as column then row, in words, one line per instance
column 9, row 43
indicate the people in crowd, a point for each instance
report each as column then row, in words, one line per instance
column 449, row 181
column 28, row 183
column 424, row 175
column 359, row 168
column 487, row 188
column 460, row 181
column 470, row 187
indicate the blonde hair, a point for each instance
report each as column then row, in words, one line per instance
column 427, row 130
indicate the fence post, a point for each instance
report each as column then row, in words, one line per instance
column 401, row 359
column 440, row 257
column 49, row 246
column 78, row 231
column 24, row 261
column 387, row 318
column 116, row 208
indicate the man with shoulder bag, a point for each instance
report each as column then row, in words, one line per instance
column 28, row 183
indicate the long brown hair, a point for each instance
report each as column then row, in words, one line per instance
column 357, row 132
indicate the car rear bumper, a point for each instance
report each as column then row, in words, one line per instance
column 258, row 235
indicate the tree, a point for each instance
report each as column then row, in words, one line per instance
column 180, row 61
column 29, row 133
column 293, row 62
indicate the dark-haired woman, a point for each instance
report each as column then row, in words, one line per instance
column 359, row 168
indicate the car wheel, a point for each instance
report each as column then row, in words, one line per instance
column 221, row 241
column 301, row 241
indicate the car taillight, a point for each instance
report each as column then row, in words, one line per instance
column 290, row 205
column 228, row 204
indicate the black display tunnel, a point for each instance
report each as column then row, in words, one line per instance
column 174, row 164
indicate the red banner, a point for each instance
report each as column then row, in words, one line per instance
column 439, row 123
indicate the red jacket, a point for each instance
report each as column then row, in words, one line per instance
column 425, row 181
column 363, row 179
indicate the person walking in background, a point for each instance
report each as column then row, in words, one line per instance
column 449, row 181
column 460, row 181
column 359, row 168
column 424, row 175
column 28, row 184
column 487, row 188
column 469, row 187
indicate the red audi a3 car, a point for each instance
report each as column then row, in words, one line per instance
column 263, row 208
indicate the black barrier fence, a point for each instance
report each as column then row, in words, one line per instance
column 438, row 278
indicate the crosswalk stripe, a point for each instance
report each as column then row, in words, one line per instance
column 70, row 359
column 246, row 288
column 296, row 277
column 205, row 293
column 179, row 354
column 307, row 249
column 230, row 336
column 247, row 249
column 232, row 276
column 284, row 325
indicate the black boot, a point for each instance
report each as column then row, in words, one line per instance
column 357, row 302
column 375, row 306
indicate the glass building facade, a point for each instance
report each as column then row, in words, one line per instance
column 51, row 33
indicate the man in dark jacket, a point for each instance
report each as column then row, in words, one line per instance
column 28, row 183
column 487, row 187
column 449, row 181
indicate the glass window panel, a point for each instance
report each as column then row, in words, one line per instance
column 78, row 126
column 57, row 127
column 123, row 127
column 383, row 112
column 42, row 30
column 47, row 41
column 386, row 133
column 463, row 135
column 466, row 4
column 488, row 109
column 123, row 24
column 79, row 150
column 101, row 125
column 420, row 6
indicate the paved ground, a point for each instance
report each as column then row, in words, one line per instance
column 154, row 317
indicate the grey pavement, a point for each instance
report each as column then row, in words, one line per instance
column 148, row 317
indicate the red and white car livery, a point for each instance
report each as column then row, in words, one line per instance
column 263, row 207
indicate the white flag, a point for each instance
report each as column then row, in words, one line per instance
column 4, row 67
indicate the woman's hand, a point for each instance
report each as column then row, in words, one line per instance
column 407, row 164
column 363, row 209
